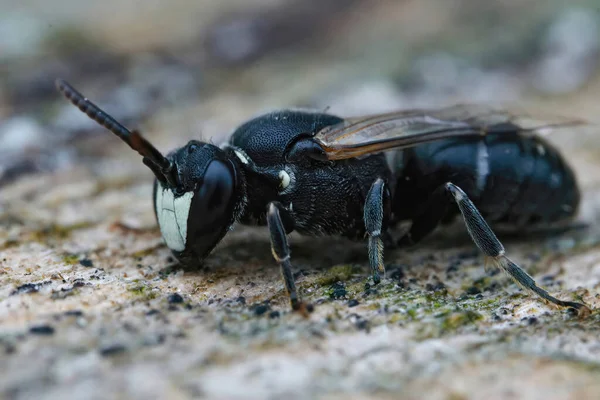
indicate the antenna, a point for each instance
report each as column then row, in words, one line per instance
column 159, row 164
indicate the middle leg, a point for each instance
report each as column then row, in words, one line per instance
column 281, row 252
column 376, row 212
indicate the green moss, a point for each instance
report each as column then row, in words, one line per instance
column 455, row 320
column 395, row 318
column 143, row 292
column 337, row 273
column 70, row 259
column 146, row 252
column 9, row 243
column 55, row 231
column 412, row 313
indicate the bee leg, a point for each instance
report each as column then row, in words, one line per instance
column 281, row 251
column 376, row 212
column 488, row 243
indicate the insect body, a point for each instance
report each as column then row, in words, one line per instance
column 319, row 174
column 514, row 180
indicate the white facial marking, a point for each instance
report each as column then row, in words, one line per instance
column 285, row 179
column 483, row 165
column 241, row 156
column 172, row 216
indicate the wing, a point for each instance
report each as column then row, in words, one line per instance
column 372, row 134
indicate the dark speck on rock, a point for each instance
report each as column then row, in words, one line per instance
column 29, row 288
column 572, row 312
column 479, row 296
column 532, row 320
column 175, row 298
column 453, row 267
column 112, row 350
column 154, row 311
column 353, row 303
column 396, row 272
column 338, row 290
column 439, row 286
column 548, row 278
column 260, row 309
column 492, row 287
column 73, row 313
column 86, row 262
column 496, row 317
column 473, row 290
column 362, row 324
column 274, row 314
column 9, row 348
column 41, row 330
column 241, row 300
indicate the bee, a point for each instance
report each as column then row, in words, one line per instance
column 319, row 174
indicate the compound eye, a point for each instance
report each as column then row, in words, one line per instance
column 216, row 190
column 212, row 207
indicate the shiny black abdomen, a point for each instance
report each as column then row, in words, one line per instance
column 511, row 178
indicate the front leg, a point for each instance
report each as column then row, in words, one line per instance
column 281, row 252
column 488, row 243
column 375, row 212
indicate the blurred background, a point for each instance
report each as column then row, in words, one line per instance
column 181, row 69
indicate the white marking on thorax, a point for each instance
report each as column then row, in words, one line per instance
column 172, row 216
column 242, row 157
column 285, row 179
column 482, row 166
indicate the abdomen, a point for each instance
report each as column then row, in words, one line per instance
column 510, row 178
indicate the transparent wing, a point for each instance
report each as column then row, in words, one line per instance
column 406, row 128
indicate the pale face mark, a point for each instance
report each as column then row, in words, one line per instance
column 172, row 216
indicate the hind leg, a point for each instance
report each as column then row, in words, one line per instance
column 485, row 239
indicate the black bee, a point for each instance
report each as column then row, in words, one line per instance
column 319, row 174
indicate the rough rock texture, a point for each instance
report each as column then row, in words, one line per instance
column 92, row 305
